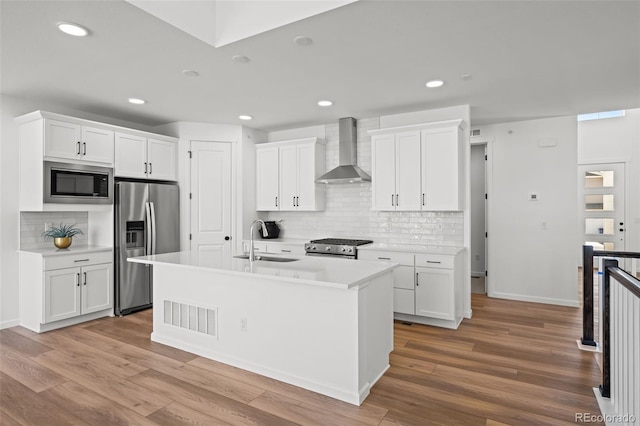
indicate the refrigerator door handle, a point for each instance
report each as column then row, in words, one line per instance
column 153, row 228
column 149, row 227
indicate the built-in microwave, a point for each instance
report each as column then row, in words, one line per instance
column 77, row 184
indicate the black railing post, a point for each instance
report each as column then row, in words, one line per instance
column 605, row 387
column 587, row 296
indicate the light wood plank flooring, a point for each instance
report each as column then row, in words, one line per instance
column 514, row 363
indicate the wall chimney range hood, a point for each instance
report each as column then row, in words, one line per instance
column 347, row 170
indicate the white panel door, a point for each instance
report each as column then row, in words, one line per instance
column 62, row 140
column 131, row 156
column 288, row 177
column 408, row 171
column 306, row 178
column 163, row 159
column 267, row 179
column 440, row 170
column 97, row 145
column 211, row 201
column 61, row 294
column 383, row 172
column 97, row 288
column 602, row 205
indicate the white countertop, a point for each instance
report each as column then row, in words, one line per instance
column 74, row 249
column 413, row 248
column 280, row 240
column 311, row 270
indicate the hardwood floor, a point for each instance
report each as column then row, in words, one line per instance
column 514, row 363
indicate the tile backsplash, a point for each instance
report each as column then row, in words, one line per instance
column 348, row 208
column 32, row 227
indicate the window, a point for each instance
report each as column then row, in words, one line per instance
column 601, row 115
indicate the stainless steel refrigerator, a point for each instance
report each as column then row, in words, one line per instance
column 147, row 221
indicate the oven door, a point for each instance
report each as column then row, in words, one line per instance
column 77, row 184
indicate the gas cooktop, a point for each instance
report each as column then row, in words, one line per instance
column 345, row 247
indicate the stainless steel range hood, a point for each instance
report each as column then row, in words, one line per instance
column 347, row 170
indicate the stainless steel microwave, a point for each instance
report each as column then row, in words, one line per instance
column 67, row 183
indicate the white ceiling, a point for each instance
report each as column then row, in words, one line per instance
column 527, row 59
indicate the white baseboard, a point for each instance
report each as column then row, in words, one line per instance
column 9, row 323
column 535, row 299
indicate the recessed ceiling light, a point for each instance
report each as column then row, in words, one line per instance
column 325, row 103
column 245, row 117
column 137, row 101
column 303, row 40
column 434, row 83
column 73, row 29
column 190, row 73
column 240, row 58
column 466, row 76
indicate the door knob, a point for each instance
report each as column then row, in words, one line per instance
column 227, row 238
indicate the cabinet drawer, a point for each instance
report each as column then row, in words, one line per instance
column 77, row 260
column 397, row 257
column 434, row 261
column 285, row 248
column 403, row 301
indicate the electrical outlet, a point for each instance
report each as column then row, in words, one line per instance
column 243, row 323
column 47, row 226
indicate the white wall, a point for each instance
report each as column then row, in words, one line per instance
column 532, row 243
column 11, row 107
column 617, row 140
column 477, row 210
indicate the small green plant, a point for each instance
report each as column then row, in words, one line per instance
column 62, row 231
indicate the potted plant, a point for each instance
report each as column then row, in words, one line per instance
column 62, row 235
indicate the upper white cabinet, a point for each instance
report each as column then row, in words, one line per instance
column 396, row 170
column 418, row 167
column 286, row 174
column 145, row 158
column 70, row 141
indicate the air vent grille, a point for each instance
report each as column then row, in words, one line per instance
column 475, row 132
column 195, row 318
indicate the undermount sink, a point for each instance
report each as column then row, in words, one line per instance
column 267, row 258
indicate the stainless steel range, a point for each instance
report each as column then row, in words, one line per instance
column 335, row 247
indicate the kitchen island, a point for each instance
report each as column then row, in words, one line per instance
column 322, row 324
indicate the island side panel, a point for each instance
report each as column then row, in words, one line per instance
column 301, row 334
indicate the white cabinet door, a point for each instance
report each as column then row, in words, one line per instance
column 97, row 145
column 267, row 178
column 288, row 177
column 61, row 294
column 62, row 140
column 131, row 156
column 97, row 288
column 383, row 171
column 162, row 157
column 407, row 171
column 404, row 301
column 435, row 293
column 306, row 177
column 440, row 170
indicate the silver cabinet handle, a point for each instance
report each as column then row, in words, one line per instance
column 285, row 251
column 78, row 146
column 145, row 168
column 423, row 198
column 81, row 260
column 432, row 261
column 150, row 168
column 294, row 201
column 276, row 201
column 384, row 258
column 84, row 148
column 397, row 200
column 85, row 278
column 297, row 201
column 392, row 200
column 417, row 276
column 78, row 279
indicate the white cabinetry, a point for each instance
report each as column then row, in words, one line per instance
column 146, row 158
column 275, row 247
column 72, row 141
column 417, row 167
column 60, row 290
column 427, row 287
column 286, row 173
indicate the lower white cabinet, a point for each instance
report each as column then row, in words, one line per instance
column 427, row 287
column 55, row 291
